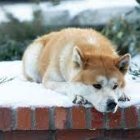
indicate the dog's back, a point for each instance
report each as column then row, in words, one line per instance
column 54, row 51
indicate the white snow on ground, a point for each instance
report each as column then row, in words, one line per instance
column 19, row 92
column 76, row 6
column 136, row 59
column 132, row 88
column 24, row 11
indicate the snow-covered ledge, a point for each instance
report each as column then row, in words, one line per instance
column 16, row 91
column 29, row 106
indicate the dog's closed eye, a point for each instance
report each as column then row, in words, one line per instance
column 97, row 86
column 115, row 86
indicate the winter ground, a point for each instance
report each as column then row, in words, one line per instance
column 15, row 91
column 25, row 11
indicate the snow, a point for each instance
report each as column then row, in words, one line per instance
column 79, row 6
column 19, row 92
column 25, row 11
column 132, row 88
column 15, row 91
column 136, row 59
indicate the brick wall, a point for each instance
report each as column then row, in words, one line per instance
column 76, row 123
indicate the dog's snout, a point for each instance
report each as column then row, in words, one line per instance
column 111, row 104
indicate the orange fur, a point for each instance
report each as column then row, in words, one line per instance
column 78, row 62
column 99, row 56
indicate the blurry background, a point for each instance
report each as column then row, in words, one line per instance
column 21, row 21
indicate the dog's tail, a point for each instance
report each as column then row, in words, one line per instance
column 31, row 57
column 30, row 62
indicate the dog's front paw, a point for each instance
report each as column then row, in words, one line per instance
column 80, row 100
column 124, row 98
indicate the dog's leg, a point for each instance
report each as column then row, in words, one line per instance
column 75, row 91
column 54, row 81
column 68, row 88
column 80, row 100
column 124, row 98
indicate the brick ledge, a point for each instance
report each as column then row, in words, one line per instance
column 59, row 118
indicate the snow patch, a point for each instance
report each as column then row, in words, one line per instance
column 17, row 92
column 24, row 11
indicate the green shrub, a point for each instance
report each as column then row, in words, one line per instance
column 125, row 36
column 16, row 35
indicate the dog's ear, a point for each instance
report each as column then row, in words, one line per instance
column 124, row 62
column 77, row 57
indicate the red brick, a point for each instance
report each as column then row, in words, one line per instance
column 41, row 118
column 78, row 118
column 122, row 134
column 79, row 134
column 5, row 119
column 115, row 119
column 24, row 119
column 60, row 118
column 96, row 119
column 131, row 117
column 27, row 135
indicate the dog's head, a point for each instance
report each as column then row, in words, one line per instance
column 103, row 74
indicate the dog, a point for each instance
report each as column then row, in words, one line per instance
column 81, row 63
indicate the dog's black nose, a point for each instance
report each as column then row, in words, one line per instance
column 111, row 105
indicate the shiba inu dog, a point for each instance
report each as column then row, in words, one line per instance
column 81, row 63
